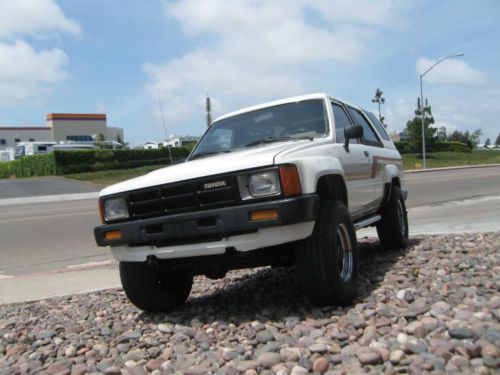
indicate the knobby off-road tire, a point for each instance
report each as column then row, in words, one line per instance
column 154, row 290
column 393, row 228
column 328, row 260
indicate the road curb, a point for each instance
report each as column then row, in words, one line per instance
column 48, row 198
column 451, row 168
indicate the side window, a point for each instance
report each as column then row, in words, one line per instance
column 341, row 121
column 378, row 125
column 369, row 136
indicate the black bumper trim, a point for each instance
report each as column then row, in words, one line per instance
column 219, row 221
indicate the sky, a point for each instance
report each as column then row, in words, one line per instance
column 120, row 56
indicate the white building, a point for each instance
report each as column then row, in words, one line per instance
column 63, row 127
column 399, row 136
column 172, row 141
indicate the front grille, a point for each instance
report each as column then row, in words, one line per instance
column 174, row 198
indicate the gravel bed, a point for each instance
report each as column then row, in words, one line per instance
column 434, row 308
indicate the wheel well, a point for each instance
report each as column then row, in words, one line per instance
column 388, row 191
column 332, row 187
column 395, row 182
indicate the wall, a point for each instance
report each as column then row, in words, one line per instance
column 64, row 128
column 25, row 134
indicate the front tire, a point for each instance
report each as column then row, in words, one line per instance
column 328, row 263
column 154, row 290
column 392, row 229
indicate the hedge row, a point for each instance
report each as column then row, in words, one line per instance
column 65, row 162
column 405, row 148
column 98, row 160
column 36, row 165
column 452, row 146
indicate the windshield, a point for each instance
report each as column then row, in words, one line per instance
column 299, row 120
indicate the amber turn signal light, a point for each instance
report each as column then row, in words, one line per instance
column 290, row 181
column 113, row 235
column 264, row 215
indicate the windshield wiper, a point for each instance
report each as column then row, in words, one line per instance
column 207, row 153
column 274, row 139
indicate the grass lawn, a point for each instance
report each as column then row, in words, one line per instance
column 452, row 159
column 434, row 160
column 106, row 178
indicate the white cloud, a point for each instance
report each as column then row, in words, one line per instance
column 33, row 18
column 382, row 13
column 26, row 72
column 464, row 110
column 452, row 71
column 254, row 50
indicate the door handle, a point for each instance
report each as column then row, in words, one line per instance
column 366, row 153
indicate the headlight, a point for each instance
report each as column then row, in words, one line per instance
column 264, row 184
column 115, row 208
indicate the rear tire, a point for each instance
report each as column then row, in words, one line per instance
column 154, row 290
column 392, row 229
column 328, row 261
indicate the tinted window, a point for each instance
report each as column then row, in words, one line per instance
column 341, row 121
column 3, row 142
column 369, row 136
column 300, row 120
column 378, row 125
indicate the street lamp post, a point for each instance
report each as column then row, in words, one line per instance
column 424, row 160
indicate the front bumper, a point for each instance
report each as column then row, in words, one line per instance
column 210, row 225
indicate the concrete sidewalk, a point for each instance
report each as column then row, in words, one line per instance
column 48, row 198
column 24, row 288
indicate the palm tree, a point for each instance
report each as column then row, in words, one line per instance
column 380, row 100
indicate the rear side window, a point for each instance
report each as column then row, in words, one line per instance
column 341, row 121
column 369, row 136
column 378, row 125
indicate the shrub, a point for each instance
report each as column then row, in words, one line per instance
column 403, row 147
column 5, row 169
column 29, row 166
column 452, row 146
column 97, row 160
column 35, row 165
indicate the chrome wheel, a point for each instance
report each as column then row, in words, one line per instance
column 344, row 253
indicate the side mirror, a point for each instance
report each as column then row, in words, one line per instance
column 352, row 132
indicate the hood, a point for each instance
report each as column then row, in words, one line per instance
column 255, row 157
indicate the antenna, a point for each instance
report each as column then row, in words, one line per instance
column 164, row 126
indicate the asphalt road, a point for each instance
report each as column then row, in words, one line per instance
column 427, row 188
column 41, row 186
column 47, row 236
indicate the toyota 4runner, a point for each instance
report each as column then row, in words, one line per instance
column 284, row 183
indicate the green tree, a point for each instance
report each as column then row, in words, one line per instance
column 487, row 142
column 209, row 112
column 119, row 138
column 474, row 137
column 414, row 128
column 101, row 138
column 441, row 134
column 378, row 98
column 466, row 137
column 497, row 142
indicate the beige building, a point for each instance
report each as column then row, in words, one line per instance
column 63, row 127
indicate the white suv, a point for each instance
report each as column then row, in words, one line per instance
column 283, row 183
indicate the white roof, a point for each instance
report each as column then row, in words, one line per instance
column 292, row 99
